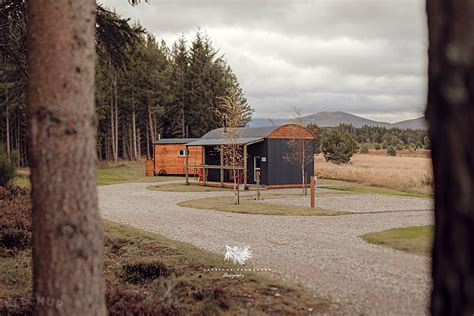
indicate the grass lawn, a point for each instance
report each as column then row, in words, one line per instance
column 354, row 187
column 250, row 206
column 148, row 274
column 417, row 239
column 111, row 174
column 127, row 172
column 181, row 187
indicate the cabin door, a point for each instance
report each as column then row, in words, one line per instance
column 256, row 168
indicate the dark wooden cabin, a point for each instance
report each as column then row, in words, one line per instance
column 264, row 148
column 169, row 156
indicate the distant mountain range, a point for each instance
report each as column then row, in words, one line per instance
column 333, row 119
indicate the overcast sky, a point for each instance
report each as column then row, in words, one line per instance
column 363, row 57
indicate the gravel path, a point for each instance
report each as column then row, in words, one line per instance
column 323, row 253
column 359, row 203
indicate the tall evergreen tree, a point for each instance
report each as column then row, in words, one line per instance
column 177, row 112
column 201, row 94
column 144, row 90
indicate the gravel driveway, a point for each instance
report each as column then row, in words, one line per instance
column 325, row 254
column 359, row 203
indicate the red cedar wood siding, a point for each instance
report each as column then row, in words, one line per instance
column 291, row 131
column 167, row 158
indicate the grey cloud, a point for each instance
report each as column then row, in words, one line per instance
column 366, row 57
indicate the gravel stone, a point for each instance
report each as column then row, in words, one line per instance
column 359, row 203
column 325, row 254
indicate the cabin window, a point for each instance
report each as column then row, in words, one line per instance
column 182, row 153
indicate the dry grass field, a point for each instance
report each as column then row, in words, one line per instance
column 420, row 153
column 399, row 172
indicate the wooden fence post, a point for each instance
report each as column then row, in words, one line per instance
column 258, row 185
column 312, row 191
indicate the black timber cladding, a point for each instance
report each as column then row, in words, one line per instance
column 257, row 150
column 271, row 151
column 274, row 170
column 280, row 171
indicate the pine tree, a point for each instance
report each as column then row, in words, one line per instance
column 201, row 94
column 144, row 90
column 178, row 109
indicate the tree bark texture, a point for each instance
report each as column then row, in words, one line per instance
column 67, row 229
column 116, row 118
column 150, row 122
column 150, row 129
column 112, row 128
column 7, row 123
column 139, row 146
column 450, row 113
column 134, row 131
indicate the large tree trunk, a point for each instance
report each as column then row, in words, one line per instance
column 150, row 129
column 112, row 129
column 450, row 114
column 18, row 134
column 155, row 125
column 150, row 122
column 107, row 148
column 130, row 143
column 139, row 143
column 124, row 143
column 148, row 156
column 116, row 155
column 7, row 123
column 183, row 124
column 134, row 132
column 67, row 229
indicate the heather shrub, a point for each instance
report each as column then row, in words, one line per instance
column 15, row 222
column 391, row 151
column 144, row 270
column 15, row 238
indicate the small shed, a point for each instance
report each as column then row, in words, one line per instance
column 264, row 147
column 169, row 156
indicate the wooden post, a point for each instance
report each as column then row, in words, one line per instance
column 204, row 165
column 222, row 166
column 258, row 185
column 187, row 164
column 312, row 191
column 245, row 166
